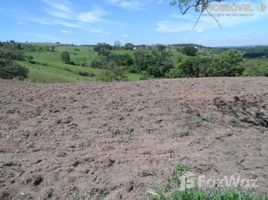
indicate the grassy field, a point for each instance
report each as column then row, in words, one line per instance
column 47, row 67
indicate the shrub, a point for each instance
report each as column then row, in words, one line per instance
column 65, row 57
column 13, row 70
column 12, row 54
column 229, row 63
column 86, row 74
column 113, row 73
column 122, row 60
column 191, row 67
column 99, row 62
column 9, row 69
column 101, row 47
column 157, row 62
column 190, row 50
column 143, row 59
column 257, row 71
column 129, row 46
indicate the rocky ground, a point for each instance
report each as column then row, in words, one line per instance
column 120, row 140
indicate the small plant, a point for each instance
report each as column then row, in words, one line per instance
column 181, row 134
column 240, row 164
column 146, row 173
column 180, row 169
column 208, row 119
column 124, row 139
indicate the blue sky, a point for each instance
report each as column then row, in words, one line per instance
column 136, row 21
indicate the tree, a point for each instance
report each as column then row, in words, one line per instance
column 112, row 73
column 161, row 63
column 65, row 57
column 228, row 63
column 143, row 59
column 161, row 47
column 199, row 5
column 10, row 69
column 261, row 70
column 122, row 59
column 189, row 67
column 102, row 46
column 117, row 44
column 129, row 46
column 190, row 50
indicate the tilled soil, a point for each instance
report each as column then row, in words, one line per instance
column 120, row 140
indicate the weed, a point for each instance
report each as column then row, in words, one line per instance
column 181, row 134
column 124, row 139
column 196, row 194
column 146, row 173
column 240, row 164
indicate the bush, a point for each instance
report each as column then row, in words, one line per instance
column 229, row 63
column 157, row 62
column 65, row 57
column 142, row 59
column 86, row 74
column 9, row 69
column 257, row 71
column 99, row 62
column 100, row 47
column 129, row 46
column 13, row 71
column 113, row 73
column 122, row 60
column 189, row 67
column 190, row 50
column 12, row 54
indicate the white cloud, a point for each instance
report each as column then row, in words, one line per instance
column 60, row 5
column 92, row 16
column 66, row 32
column 93, row 30
column 62, row 12
column 132, row 4
column 127, row 4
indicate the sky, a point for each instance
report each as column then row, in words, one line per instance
column 135, row 21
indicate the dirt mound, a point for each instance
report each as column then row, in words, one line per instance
column 118, row 140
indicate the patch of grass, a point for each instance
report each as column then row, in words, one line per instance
column 181, row 169
column 209, row 119
column 181, row 134
column 124, row 139
column 146, row 173
column 196, row 194
column 170, row 191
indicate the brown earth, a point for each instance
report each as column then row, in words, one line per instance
column 119, row 140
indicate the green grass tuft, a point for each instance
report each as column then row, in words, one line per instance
column 216, row 194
